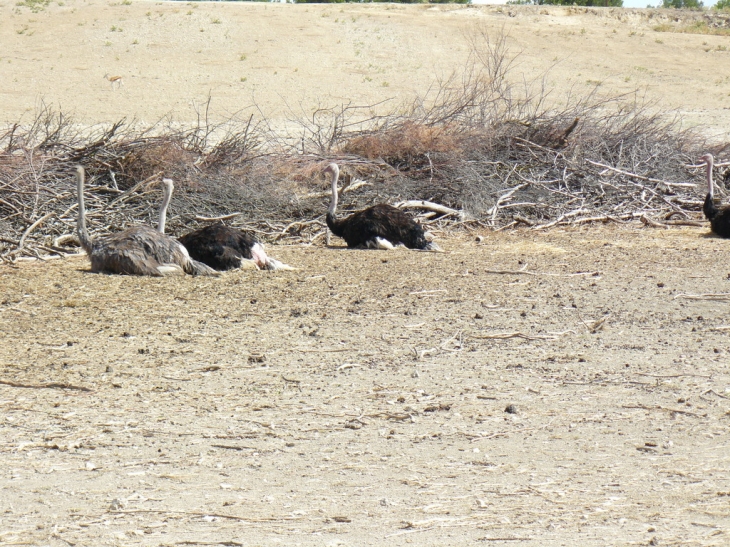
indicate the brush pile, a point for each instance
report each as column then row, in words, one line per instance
column 477, row 143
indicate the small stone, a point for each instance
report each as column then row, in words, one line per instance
column 511, row 409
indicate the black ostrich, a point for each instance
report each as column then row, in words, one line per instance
column 381, row 226
column 719, row 217
column 224, row 248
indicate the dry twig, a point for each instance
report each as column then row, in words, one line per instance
column 53, row 385
column 708, row 296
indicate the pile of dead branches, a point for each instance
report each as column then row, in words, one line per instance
column 480, row 149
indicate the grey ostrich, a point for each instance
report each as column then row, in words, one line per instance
column 139, row 250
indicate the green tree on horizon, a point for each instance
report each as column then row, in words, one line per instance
column 683, row 4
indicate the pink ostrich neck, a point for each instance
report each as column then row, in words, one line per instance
column 710, row 187
column 335, row 171
column 167, row 188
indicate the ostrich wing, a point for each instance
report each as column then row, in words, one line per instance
column 384, row 221
column 137, row 251
column 219, row 246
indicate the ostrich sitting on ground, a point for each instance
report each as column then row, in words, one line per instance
column 225, row 248
column 139, row 250
column 719, row 217
column 381, row 226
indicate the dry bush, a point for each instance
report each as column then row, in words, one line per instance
column 406, row 145
column 158, row 155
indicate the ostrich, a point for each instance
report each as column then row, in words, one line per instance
column 381, row 226
column 225, row 248
column 139, row 250
column 719, row 217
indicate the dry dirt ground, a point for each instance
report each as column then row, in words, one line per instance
column 290, row 59
column 362, row 400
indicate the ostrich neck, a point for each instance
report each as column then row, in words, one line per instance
column 163, row 209
column 81, row 225
column 84, row 238
column 710, row 186
column 333, row 203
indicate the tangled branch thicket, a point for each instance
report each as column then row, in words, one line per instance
column 478, row 142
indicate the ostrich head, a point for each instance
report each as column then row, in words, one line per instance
column 709, row 160
column 333, row 170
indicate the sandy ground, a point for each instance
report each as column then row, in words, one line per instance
column 362, row 399
column 290, row 59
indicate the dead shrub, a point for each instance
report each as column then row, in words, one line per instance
column 157, row 155
column 406, row 145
